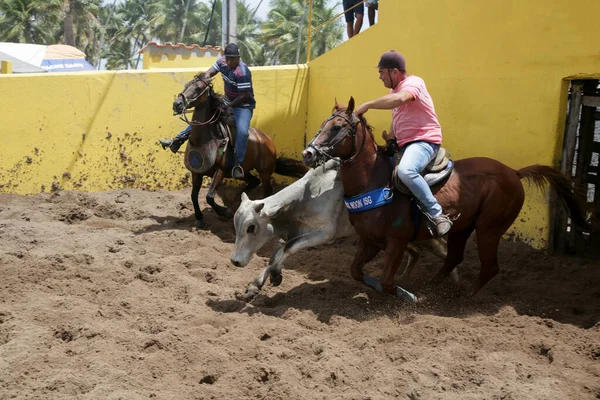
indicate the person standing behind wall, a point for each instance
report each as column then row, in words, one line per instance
column 353, row 28
column 372, row 6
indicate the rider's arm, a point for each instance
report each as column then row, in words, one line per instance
column 386, row 102
column 244, row 86
column 240, row 99
column 209, row 73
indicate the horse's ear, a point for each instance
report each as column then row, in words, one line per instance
column 244, row 197
column 350, row 108
column 337, row 106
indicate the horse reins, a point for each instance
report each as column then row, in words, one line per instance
column 352, row 130
column 184, row 118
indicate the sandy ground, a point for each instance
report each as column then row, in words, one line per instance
column 114, row 296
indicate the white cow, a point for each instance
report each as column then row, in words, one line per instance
column 307, row 213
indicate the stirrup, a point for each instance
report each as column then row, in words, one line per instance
column 237, row 172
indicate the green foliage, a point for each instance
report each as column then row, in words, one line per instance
column 116, row 30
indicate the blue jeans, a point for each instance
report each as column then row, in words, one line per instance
column 185, row 134
column 416, row 157
column 242, row 124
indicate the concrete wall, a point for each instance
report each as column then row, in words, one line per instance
column 98, row 131
column 169, row 55
column 497, row 70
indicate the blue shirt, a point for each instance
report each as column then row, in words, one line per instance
column 236, row 81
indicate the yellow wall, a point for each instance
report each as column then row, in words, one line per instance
column 167, row 56
column 496, row 70
column 98, row 131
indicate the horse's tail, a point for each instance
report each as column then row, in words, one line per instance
column 290, row 167
column 571, row 199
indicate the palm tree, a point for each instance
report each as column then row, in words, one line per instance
column 287, row 21
column 133, row 22
column 121, row 55
column 80, row 19
column 211, row 37
column 24, row 21
column 83, row 19
column 251, row 50
column 170, row 16
column 329, row 35
column 280, row 31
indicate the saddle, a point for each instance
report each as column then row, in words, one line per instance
column 437, row 171
column 201, row 159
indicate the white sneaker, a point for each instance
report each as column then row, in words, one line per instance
column 442, row 224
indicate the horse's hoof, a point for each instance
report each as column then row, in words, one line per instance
column 201, row 224
column 276, row 279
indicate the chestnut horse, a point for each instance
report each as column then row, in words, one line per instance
column 210, row 149
column 481, row 194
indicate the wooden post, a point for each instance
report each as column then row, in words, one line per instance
column 564, row 239
column 6, row 67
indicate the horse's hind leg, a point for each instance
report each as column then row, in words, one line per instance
column 492, row 223
column 210, row 196
column 196, row 185
column 487, row 244
column 457, row 241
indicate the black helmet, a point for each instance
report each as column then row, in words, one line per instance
column 392, row 59
column 232, row 50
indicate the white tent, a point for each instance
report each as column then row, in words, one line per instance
column 53, row 58
column 19, row 66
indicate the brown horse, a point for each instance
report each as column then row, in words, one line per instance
column 481, row 195
column 210, row 149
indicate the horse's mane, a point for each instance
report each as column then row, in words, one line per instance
column 216, row 97
column 363, row 121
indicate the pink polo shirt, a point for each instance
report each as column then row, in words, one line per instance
column 415, row 120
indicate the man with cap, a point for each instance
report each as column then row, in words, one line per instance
column 239, row 100
column 415, row 127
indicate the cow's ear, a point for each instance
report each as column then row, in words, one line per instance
column 244, row 197
column 258, row 207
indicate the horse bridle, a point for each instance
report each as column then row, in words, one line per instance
column 340, row 136
column 187, row 102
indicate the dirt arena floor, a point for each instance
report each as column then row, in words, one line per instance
column 114, row 296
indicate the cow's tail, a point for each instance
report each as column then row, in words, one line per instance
column 290, row 167
column 572, row 200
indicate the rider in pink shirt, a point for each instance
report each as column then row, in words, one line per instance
column 415, row 127
column 416, row 119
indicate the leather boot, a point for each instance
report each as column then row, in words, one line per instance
column 174, row 143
